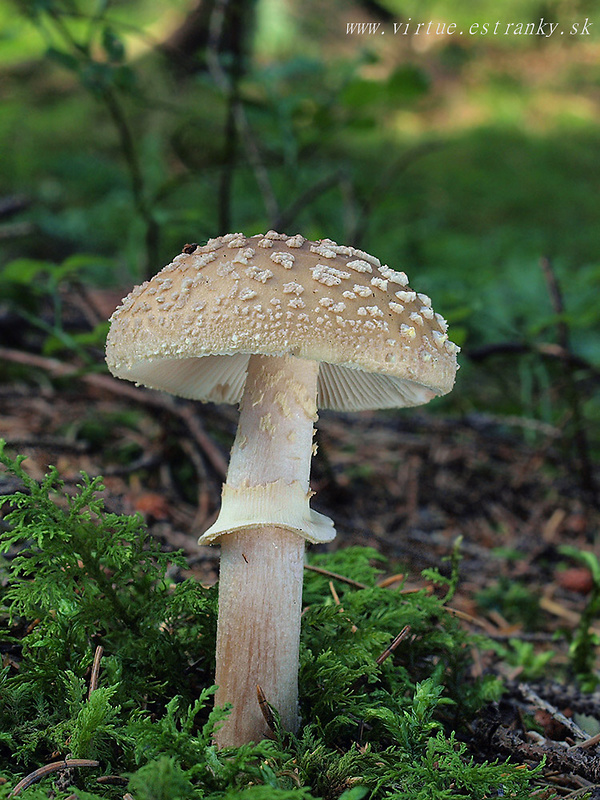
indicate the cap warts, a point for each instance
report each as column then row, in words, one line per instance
column 238, row 296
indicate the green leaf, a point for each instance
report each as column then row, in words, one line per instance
column 356, row 793
column 25, row 270
column 360, row 93
column 124, row 78
column 407, row 83
column 97, row 77
column 113, row 45
column 63, row 59
column 585, row 557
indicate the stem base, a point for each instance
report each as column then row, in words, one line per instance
column 258, row 635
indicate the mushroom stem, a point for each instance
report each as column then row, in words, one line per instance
column 260, row 584
column 258, row 635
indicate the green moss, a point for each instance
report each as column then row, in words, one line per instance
column 77, row 578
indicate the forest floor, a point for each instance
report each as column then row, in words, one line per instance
column 408, row 484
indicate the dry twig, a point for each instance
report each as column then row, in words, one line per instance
column 48, row 769
column 95, row 670
column 532, row 697
column 583, row 791
column 591, row 742
column 147, row 397
column 393, row 645
column 329, row 574
column 265, row 708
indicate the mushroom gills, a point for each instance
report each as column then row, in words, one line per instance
column 214, row 378
column 221, row 378
column 343, row 388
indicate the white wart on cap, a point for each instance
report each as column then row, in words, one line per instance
column 192, row 328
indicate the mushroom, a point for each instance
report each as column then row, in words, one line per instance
column 281, row 325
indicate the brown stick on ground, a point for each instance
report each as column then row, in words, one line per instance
column 147, row 397
column 48, row 769
column 95, row 670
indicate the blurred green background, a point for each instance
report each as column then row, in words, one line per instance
column 470, row 161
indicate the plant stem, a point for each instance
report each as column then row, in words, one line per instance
column 571, row 390
column 128, row 148
column 127, row 142
column 229, row 86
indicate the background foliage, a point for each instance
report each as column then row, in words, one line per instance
column 129, row 129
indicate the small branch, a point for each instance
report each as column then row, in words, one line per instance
column 228, row 87
column 95, row 670
column 572, row 394
column 591, row 742
column 328, row 574
column 230, row 141
column 136, row 175
column 265, row 708
column 48, row 769
column 334, row 594
column 126, row 139
column 393, row 645
column 535, row 700
column 480, row 623
column 112, row 780
column 16, row 229
column 391, row 580
column 13, row 204
column 585, row 790
column 288, row 215
column 203, row 495
column 185, row 411
column 86, row 305
column 546, row 349
column 53, row 443
column 362, row 679
column 232, row 96
column 557, row 302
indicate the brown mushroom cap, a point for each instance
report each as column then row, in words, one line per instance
column 192, row 328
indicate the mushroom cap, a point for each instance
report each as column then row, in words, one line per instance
column 191, row 329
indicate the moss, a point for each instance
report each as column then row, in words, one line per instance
column 377, row 723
